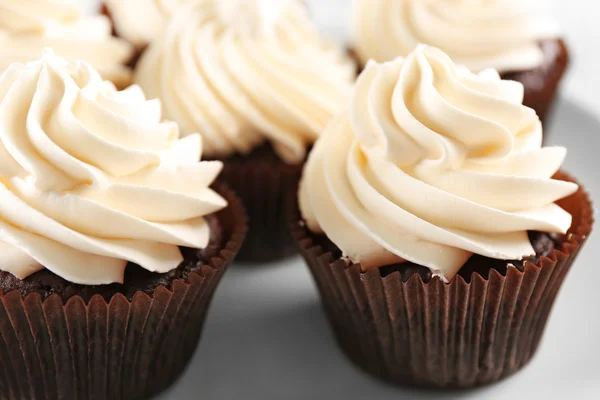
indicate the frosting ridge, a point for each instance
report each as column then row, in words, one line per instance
column 141, row 21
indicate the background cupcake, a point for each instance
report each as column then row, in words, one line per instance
column 510, row 36
column 429, row 222
column 140, row 21
column 112, row 240
column 27, row 27
column 256, row 80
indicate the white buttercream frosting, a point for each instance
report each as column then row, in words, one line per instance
column 141, row 21
column 91, row 179
column 242, row 72
column 430, row 164
column 500, row 34
column 29, row 26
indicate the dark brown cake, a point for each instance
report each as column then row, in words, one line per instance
column 542, row 243
column 403, row 326
column 262, row 180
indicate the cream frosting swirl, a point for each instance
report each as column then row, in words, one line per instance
column 431, row 164
column 27, row 27
column 91, row 179
column 242, row 72
column 500, row 34
column 141, row 21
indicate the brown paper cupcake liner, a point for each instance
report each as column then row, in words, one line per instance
column 263, row 181
column 437, row 335
column 117, row 349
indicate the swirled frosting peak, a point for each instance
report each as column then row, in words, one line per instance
column 430, row 164
column 500, row 34
column 91, row 179
column 242, row 72
column 29, row 26
column 141, row 21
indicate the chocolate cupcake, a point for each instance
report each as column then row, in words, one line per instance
column 26, row 28
column 428, row 217
column 510, row 36
column 112, row 240
column 260, row 85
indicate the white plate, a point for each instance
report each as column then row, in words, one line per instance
column 266, row 336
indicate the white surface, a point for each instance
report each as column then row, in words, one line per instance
column 266, row 336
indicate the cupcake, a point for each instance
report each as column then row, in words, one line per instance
column 510, row 36
column 260, row 85
column 112, row 239
column 27, row 27
column 437, row 228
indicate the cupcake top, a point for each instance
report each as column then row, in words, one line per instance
column 244, row 71
column 27, row 27
column 92, row 179
column 480, row 34
column 141, row 21
column 430, row 164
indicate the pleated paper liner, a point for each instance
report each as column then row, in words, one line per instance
column 437, row 335
column 117, row 349
column 541, row 84
column 263, row 181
